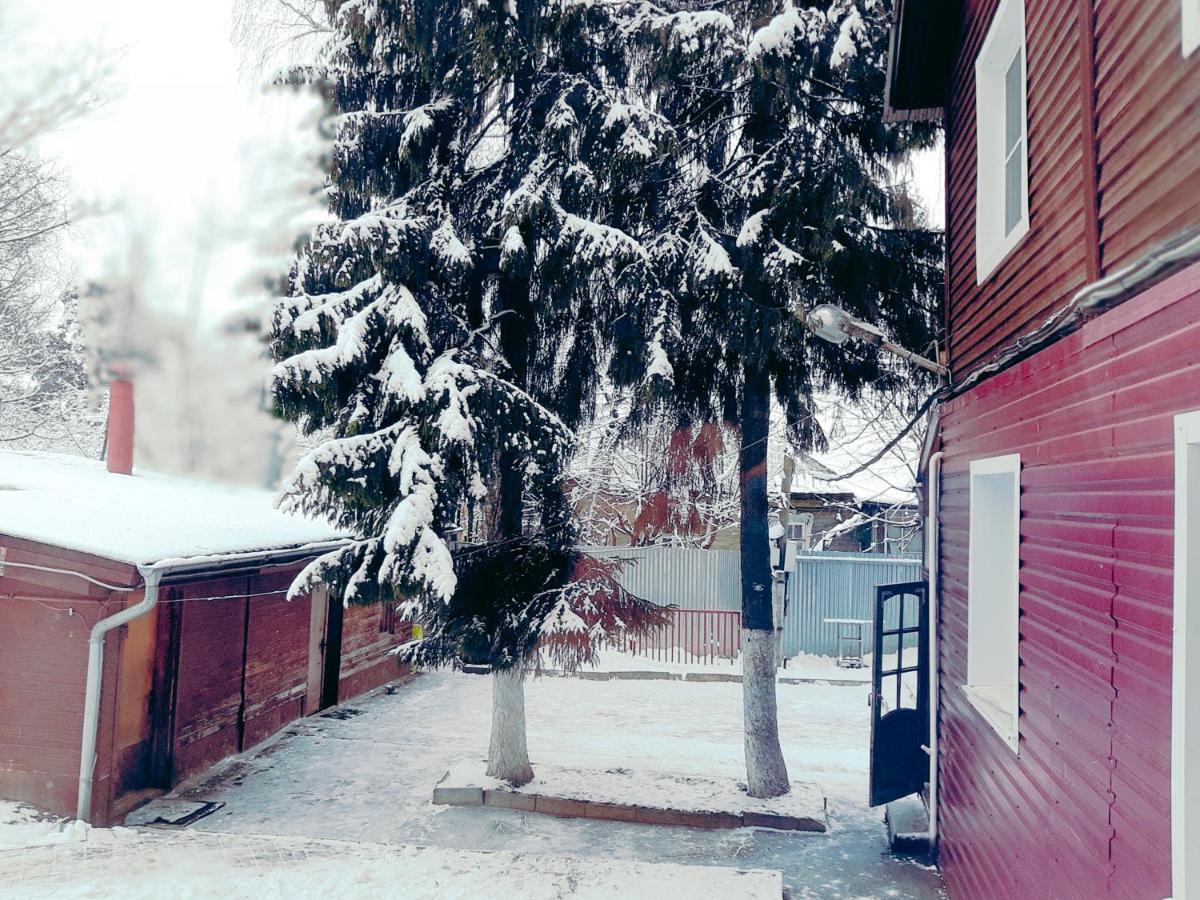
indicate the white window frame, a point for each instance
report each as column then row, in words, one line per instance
column 1185, row 662
column 993, row 595
column 1005, row 39
column 1190, row 11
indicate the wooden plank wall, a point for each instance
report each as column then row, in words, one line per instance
column 209, row 689
column 1084, row 810
column 365, row 663
column 276, row 658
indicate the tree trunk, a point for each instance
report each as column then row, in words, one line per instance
column 766, row 773
column 508, row 755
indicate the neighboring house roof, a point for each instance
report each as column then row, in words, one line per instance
column 887, row 482
column 856, row 434
column 74, row 503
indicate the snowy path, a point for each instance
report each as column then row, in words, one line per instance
column 369, row 777
column 155, row 863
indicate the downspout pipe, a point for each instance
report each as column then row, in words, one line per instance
column 151, row 576
column 934, row 565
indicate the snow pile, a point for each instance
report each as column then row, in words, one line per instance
column 846, row 47
column 74, row 503
column 646, row 788
column 22, row 825
column 783, row 32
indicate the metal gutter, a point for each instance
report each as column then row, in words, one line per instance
column 933, row 565
column 1092, row 299
column 91, row 693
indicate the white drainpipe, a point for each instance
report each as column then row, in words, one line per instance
column 933, row 557
column 151, row 576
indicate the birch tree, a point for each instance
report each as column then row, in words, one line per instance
column 43, row 398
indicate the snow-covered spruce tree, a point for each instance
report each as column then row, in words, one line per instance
column 780, row 190
column 435, row 385
column 375, row 348
column 568, row 149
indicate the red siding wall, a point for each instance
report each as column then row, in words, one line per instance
column 1050, row 262
column 1084, row 810
column 1103, row 188
column 1148, row 117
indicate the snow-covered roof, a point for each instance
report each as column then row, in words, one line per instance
column 74, row 503
column 857, row 432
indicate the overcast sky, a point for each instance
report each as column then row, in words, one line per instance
column 177, row 144
column 178, row 147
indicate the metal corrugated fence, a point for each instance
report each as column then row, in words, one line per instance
column 839, row 586
column 824, row 586
column 690, row 635
column 680, row 576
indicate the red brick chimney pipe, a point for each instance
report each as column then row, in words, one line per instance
column 120, row 427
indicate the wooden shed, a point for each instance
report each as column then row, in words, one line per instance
column 221, row 661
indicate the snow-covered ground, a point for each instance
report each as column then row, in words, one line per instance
column 369, row 777
column 147, row 865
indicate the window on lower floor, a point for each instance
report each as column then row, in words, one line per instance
column 1185, row 656
column 993, row 593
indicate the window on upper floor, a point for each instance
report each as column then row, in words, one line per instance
column 993, row 593
column 1191, row 25
column 1002, row 164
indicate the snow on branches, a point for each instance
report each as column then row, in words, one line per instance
column 529, row 600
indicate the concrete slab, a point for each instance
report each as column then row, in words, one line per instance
column 624, row 795
column 458, row 796
column 713, row 676
column 907, row 823
column 509, row 800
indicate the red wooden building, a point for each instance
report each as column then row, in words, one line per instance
column 1064, row 479
column 219, row 662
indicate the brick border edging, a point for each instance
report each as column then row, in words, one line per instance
column 564, row 807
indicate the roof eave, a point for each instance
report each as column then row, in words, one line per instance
column 919, row 55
